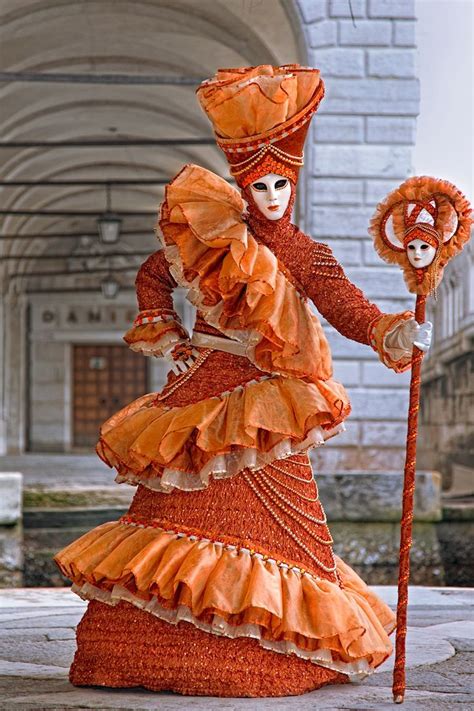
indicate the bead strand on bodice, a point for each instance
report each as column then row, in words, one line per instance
column 283, row 503
column 288, row 473
column 290, row 532
column 184, row 377
column 311, row 499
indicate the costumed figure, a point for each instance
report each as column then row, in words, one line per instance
column 221, row 579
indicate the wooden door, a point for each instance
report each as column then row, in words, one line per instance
column 105, row 379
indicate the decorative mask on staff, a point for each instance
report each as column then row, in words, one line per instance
column 420, row 226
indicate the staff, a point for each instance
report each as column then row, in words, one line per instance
column 420, row 226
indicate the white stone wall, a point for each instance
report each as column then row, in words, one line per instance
column 360, row 149
column 49, row 397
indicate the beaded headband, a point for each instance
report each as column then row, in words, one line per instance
column 281, row 152
column 424, row 232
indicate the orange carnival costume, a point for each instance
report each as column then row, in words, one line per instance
column 220, row 579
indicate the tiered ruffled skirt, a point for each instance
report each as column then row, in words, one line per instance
column 232, row 588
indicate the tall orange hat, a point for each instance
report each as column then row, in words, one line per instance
column 261, row 116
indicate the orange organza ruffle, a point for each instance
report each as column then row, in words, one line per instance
column 232, row 592
column 235, row 281
column 379, row 330
column 247, row 427
column 155, row 338
column 249, row 101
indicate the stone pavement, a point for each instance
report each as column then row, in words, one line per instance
column 37, row 646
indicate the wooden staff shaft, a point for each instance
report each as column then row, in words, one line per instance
column 406, row 524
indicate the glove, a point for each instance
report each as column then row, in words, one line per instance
column 411, row 333
column 181, row 356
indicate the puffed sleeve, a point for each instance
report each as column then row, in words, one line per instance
column 157, row 327
column 346, row 308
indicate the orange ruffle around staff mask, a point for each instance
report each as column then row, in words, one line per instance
column 261, row 117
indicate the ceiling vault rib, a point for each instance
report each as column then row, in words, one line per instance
column 73, row 272
column 71, row 183
column 76, row 213
column 65, row 235
column 122, row 79
column 94, row 143
column 49, row 257
column 72, row 290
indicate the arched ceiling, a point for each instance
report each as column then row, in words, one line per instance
column 155, row 38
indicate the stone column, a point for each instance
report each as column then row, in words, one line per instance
column 3, row 377
column 16, row 367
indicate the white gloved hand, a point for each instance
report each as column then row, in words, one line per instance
column 416, row 334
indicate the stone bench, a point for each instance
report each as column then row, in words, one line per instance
column 11, row 536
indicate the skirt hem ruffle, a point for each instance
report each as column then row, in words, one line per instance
column 245, row 428
column 235, row 591
column 355, row 670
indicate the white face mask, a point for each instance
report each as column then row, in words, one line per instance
column 420, row 254
column 272, row 194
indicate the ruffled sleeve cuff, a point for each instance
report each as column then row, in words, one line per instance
column 383, row 337
column 155, row 332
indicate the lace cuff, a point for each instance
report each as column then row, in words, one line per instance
column 155, row 332
column 384, row 338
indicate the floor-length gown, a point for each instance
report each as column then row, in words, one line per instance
column 221, row 579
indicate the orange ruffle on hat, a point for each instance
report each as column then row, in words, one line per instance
column 261, row 116
column 233, row 592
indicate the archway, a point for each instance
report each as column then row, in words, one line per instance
column 117, row 114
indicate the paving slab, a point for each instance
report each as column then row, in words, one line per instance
column 36, row 598
column 424, row 597
column 56, row 618
column 330, row 698
column 37, row 645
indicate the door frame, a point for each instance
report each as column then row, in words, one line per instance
column 68, row 385
column 83, row 338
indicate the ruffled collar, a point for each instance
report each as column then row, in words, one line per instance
column 234, row 276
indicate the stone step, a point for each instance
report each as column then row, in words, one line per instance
column 38, row 496
column 377, row 496
column 346, row 496
column 70, row 518
column 458, row 510
column 10, row 497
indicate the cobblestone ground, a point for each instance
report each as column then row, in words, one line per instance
column 37, row 646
